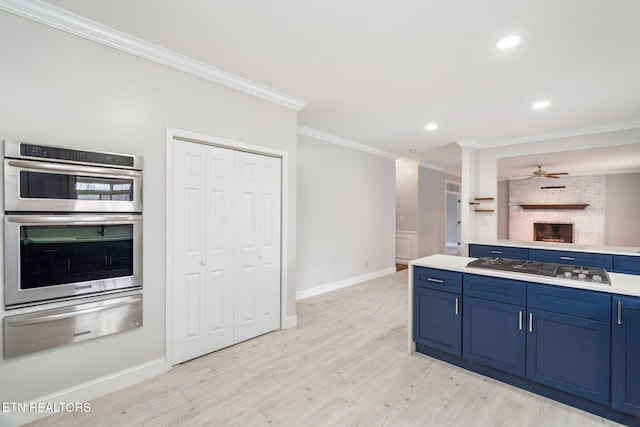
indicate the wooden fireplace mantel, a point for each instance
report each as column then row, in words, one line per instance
column 574, row 206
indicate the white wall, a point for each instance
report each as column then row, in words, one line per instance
column 346, row 214
column 59, row 89
column 622, row 208
column 407, row 193
column 503, row 209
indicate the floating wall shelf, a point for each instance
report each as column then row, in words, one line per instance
column 478, row 200
column 574, row 206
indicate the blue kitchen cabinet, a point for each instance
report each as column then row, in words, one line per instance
column 626, row 264
column 437, row 319
column 573, row 258
column 493, row 322
column 625, row 349
column 478, row 251
column 568, row 348
column 437, row 309
column 493, row 335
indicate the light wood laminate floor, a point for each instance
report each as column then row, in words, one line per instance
column 344, row 365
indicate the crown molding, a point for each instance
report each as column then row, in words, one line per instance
column 61, row 19
column 327, row 137
column 568, row 133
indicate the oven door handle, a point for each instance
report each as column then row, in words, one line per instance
column 71, row 219
column 70, row 313
column 25, row 164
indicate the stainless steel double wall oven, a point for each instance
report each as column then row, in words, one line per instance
column 72, row 233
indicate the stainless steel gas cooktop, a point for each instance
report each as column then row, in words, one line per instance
column 561, row 271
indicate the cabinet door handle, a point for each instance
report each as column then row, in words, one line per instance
column 567, row 258
column 429, row 279
column 530, row 322
column 496, row 252
column 619, row 312
column 456, row 306
column 520, row 320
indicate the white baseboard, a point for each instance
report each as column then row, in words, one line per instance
column 306, row 293
column 85, row 392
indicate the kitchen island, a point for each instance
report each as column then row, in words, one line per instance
column 573, row 341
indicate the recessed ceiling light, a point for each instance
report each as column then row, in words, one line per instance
column 431, row 126
column 541, row 105
column 508, row 42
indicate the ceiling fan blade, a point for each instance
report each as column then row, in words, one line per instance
column 551, row 176
column 558, row 173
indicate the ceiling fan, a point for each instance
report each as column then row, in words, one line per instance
column 544, row 174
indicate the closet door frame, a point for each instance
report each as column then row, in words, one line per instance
column 286, row 320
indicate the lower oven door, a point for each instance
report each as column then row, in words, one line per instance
column 50, row 257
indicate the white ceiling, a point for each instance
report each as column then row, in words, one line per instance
column 375, row 72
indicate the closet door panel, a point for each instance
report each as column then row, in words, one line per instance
column 258, row 180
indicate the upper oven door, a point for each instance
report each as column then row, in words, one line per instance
column 50, row 257
column 36, row 186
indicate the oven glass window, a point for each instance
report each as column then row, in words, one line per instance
column 60, row 254
column 37, row 185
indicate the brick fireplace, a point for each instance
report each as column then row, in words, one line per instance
column 587, row 225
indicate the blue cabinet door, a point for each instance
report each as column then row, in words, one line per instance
column 437, row 320
column 572, row 258
column 625, row 381
column 569, row 353
column 493, row 334
column 478, row 251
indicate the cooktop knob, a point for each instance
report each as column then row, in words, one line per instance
column 596, row 278
column 568, row 274
column 582, row 276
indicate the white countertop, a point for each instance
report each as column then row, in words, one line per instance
column 623, row 284
column 615, row 250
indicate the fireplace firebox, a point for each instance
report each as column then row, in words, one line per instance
column 553, row 232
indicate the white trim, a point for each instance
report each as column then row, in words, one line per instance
column 567, row 133
column 286, row 320
column 64, row 20
column 290, row 322
column 327, row 137
column 306, row 293
column 85, row 392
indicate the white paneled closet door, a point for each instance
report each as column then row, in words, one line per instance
column 226, row 262
column 257, row 290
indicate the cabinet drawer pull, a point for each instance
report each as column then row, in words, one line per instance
column 520, row 320
column 567, row 258
column 456, row 306
column 496, row 252
column 429, row 279
column 619, row 312
column 531, row 322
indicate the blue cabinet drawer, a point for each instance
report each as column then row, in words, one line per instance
column 478, row 251
column 574, row 302
column 441, row 280
column 495, row 289
column 626, row 264
column 574, row 258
